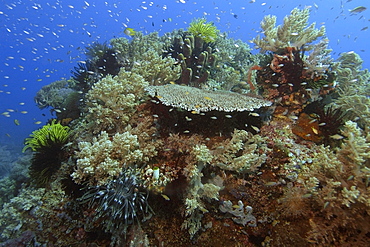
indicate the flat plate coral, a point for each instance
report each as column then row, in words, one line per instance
column 200, row 100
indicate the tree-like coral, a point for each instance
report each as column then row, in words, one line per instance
column 295, row 32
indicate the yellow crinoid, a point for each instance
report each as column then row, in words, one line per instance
column 207, row 31
column 50, row 134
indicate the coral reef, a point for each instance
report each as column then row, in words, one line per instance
column 252, row 150
column 5, row 161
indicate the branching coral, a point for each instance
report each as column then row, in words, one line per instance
column 103, row 159
column 112, row 101
column 353, row 88
column 155, row 69
column 293, row 33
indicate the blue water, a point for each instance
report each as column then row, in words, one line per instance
column 41, row 41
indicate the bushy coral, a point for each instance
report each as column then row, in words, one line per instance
column 295, row 32
column 155, row 69
column 104, row 158
column 353, row 87
column 111, row 102
column 242, row 153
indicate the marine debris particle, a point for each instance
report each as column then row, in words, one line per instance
column 201, row 100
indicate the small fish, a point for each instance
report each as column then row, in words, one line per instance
column 255, row 128
column 16, row 122
column 129, row 31
column 254, row 114
column 314, row 130
column 357, row 10
column 308, row 195
column 364, row 28
column 337, row 137
column 271, row 183
column 165, row 197
column 37, row 122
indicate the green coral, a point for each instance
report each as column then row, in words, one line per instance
column 207, row 31
column 49, row 134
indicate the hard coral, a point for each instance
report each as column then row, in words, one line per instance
column 294, row 32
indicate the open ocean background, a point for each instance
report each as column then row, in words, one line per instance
column 41, row 41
